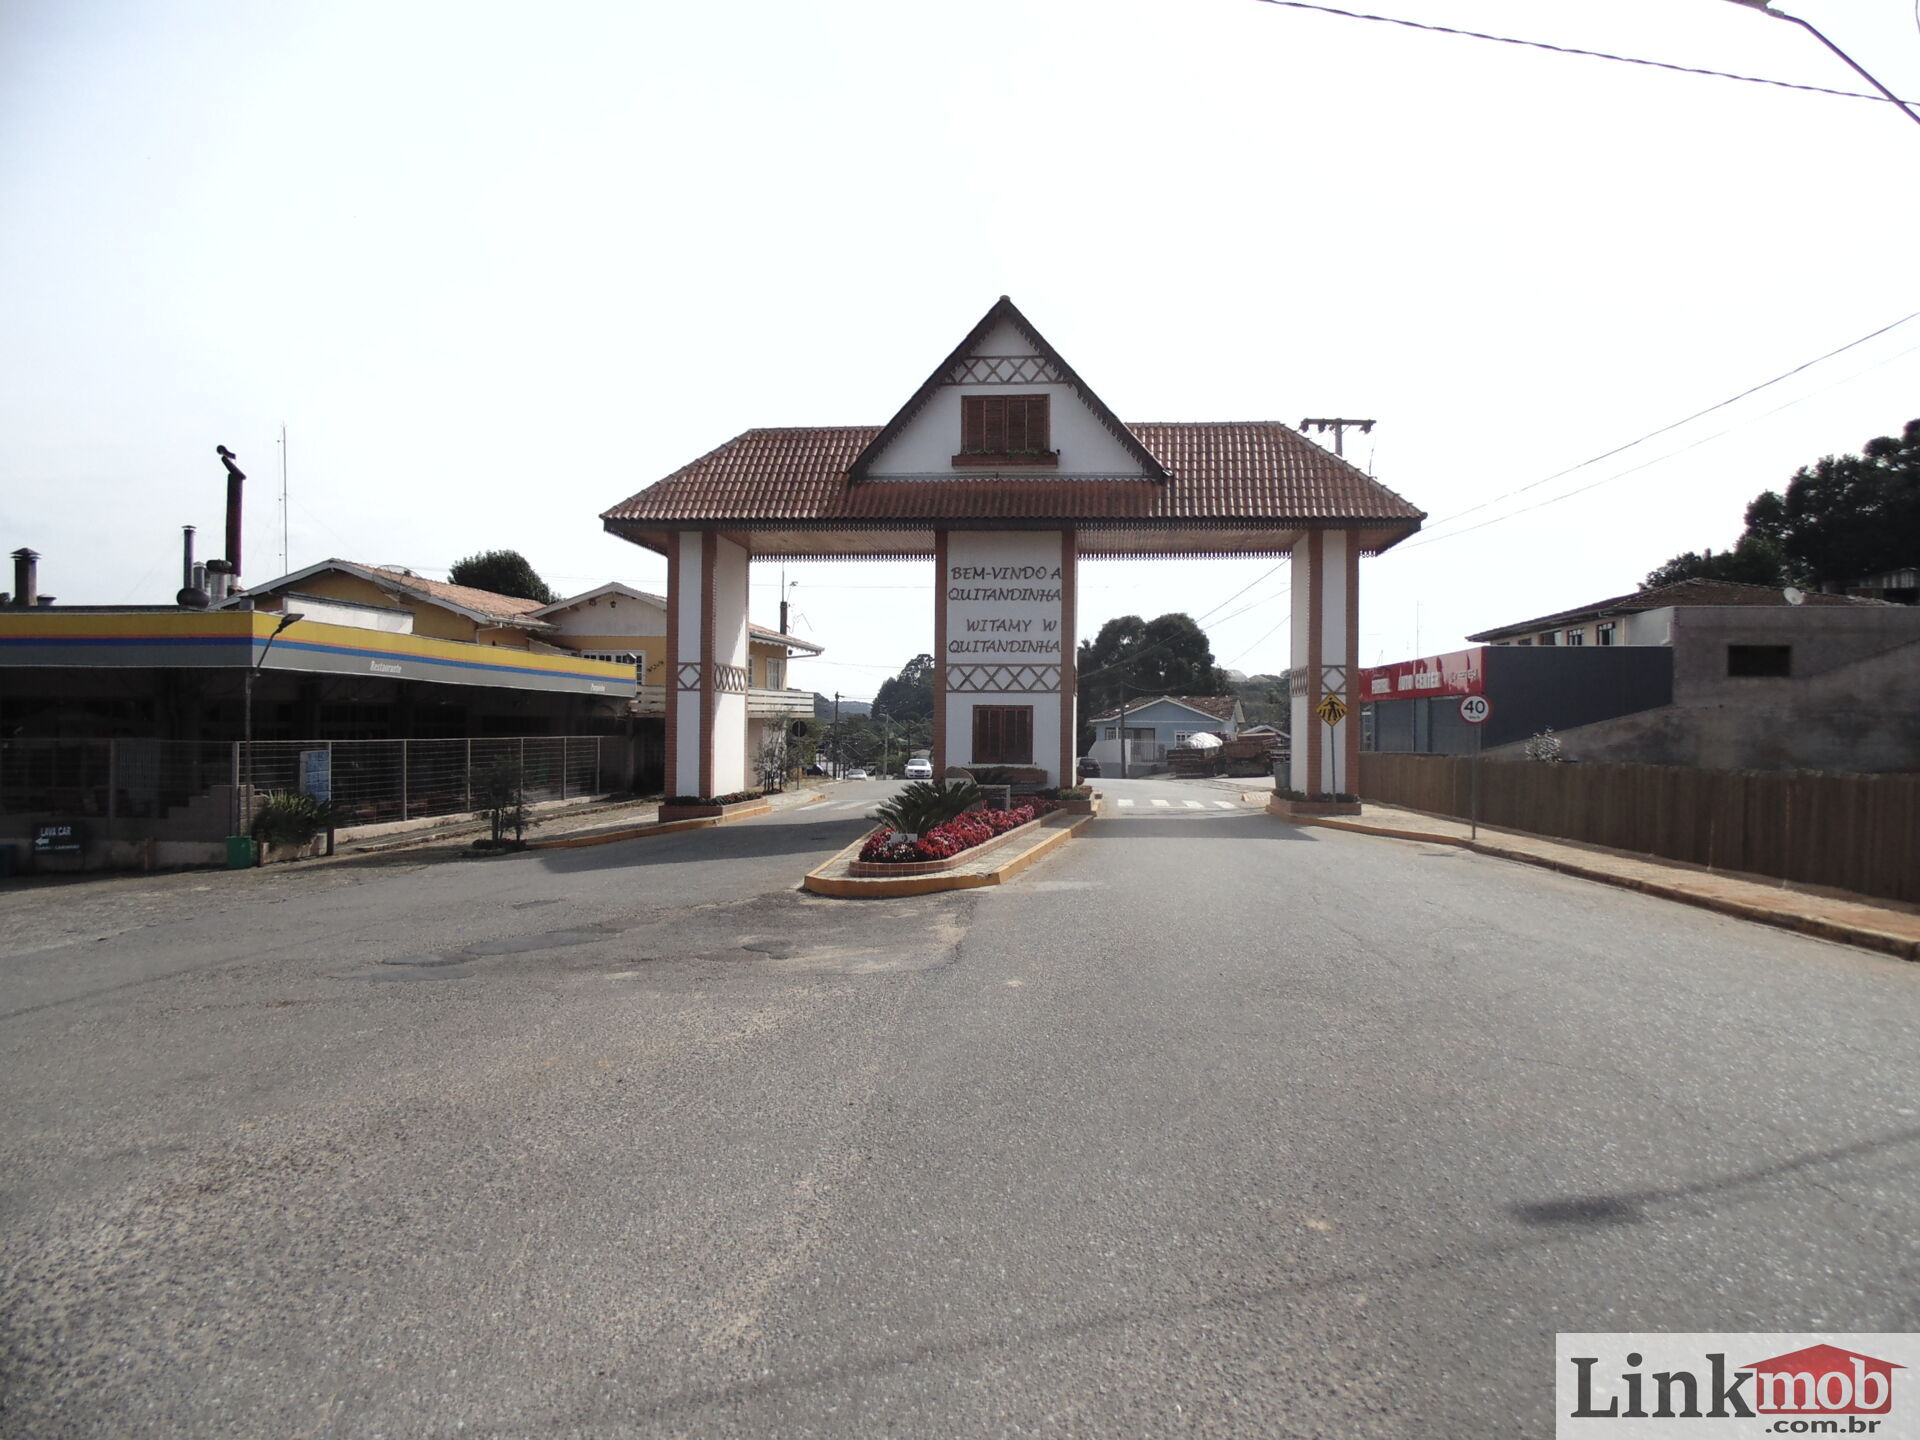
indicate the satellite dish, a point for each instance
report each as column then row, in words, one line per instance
column 1795, row 595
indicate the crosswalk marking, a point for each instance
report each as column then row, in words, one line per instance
column 1195, row 805
column 1164, row 804
column 1223, row 805
column 1126, row 804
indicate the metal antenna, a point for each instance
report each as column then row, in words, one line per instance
column 286, row 552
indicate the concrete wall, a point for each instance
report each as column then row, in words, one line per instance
column 1823, row 639
column 325, row 610
column 1862, row 716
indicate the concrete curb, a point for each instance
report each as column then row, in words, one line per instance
column 847, row 887
column 1820, row 927
column 657, row 827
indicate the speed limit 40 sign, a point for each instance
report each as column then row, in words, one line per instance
column 1475, row 709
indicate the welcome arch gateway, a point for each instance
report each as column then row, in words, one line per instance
column 1006, row 470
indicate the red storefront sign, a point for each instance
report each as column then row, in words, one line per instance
column 1458, row 672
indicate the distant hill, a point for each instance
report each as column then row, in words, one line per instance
column 1264, row 698
column 823, row 706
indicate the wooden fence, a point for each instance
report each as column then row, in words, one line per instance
column 1854, row 832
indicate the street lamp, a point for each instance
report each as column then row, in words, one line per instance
column 253, row 668
column 1765, row 9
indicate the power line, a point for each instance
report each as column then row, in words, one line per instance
column 1590, row 54
column 1648, row 464
column 1675, row 425
column 1251, row 648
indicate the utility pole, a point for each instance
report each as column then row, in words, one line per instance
column 836, row 734
column 1339, row 429
column 244, row 802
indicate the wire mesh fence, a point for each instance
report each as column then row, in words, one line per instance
column 374, row 781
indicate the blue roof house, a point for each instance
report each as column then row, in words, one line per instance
column 1165, row 723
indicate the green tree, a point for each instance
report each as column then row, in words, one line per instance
column 1847, row 517
column 909, row 695
column 504, row 572
column 1839, row 520
column 1753, row 561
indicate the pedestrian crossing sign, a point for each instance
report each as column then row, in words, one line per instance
column 1332, row 710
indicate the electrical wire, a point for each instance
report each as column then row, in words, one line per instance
column 1649, row 464
column 1255, row 646
column 1655, row 434
column 1590, row 54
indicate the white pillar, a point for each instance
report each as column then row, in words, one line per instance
column 707, row 677
column 1005, row 630
column 1326, row 658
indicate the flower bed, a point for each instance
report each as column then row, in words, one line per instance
column 944, row 842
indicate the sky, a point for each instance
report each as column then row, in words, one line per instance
column 495, row 268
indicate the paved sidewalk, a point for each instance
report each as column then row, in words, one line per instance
column 1885, row 925
column 587, row 818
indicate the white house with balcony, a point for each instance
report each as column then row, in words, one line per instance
column 616, row 622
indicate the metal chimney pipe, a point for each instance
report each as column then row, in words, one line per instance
column 219, row 580
column 235, row 478
column 26, row 577
column 199, row 579
column 186, row 565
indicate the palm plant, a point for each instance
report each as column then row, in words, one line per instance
column 920, row 805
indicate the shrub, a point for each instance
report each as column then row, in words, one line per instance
column 732, row 797
column 1546, row 747
column 292, row 817
column 499, row 788
column 773, row 760
column 921, row 805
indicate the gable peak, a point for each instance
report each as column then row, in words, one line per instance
column 1002, row 352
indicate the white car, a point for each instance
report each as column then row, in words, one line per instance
column 919, row 769
column 857, row 775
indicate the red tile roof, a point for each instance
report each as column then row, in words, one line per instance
column 1251, row 473
column 1681, row 592
column 485, row 602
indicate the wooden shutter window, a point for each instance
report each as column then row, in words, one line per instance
column 1003, row 735
column 998, row 430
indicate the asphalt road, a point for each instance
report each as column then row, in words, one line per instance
column 1207, row 1125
